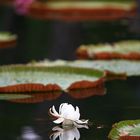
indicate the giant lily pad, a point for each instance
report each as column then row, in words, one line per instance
column 27, row 78
column 83, row 10
column 130, row 68
column 119, row 50
column 7, row 39
column 125, row 130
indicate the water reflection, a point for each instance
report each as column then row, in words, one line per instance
column 70, row 133
column 28, row 133
column 37, row 97
column 88, row 92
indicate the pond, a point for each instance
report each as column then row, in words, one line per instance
column 57, row 38
column 121, row 102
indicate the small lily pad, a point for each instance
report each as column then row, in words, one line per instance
column 125, row 129
column 85, row 10
column 7, row 39
column 120, row 50
column 27, row 78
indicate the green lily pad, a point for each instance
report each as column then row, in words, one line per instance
column 125, row 128
column 59, row 75
column 7, row 36
column 13, row 96
column 119, row 50
column 131, row 68
column 7, row 40
column 88, row 4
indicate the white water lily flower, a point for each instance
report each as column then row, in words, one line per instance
column 67, row 115
column 65, row 134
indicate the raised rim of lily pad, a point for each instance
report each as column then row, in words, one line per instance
column 95, row 65
column 7, row 40
column 127, row 49
column 124, row 129
column 83, row 10
column 90, row 78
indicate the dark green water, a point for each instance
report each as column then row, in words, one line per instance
column 121, row 102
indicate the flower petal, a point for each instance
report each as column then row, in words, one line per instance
column 68, row 112
column 77, row 113
column 60, row 108
column 59, row 120
column 82, row 122
column 54, row 111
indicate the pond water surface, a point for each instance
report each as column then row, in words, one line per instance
column 31, row 120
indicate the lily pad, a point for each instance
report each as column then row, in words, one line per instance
column 27, row 78
column 131, row 68
column 129, row 129
column 118, row 67
column 120, row 50
column 83, row 10
column 7, row 39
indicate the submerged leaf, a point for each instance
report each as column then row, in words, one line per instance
column 27, row 78
column 129, row 129
column 119, row 50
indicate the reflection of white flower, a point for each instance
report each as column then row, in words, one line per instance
column 65, row 134
column 67, row 115
column 29, row 134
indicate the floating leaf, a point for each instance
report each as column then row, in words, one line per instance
column 27, row 78
column 131, row 68
column 7, row 39
column 129, row 129
column 83, row 10
column 119, row 50
column 6, row 96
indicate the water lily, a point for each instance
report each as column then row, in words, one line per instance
column 65, row 134
column 68, row 115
